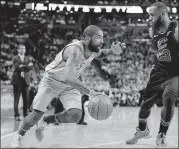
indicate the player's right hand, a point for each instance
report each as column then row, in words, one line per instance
column 117, row 48
column 93, row 93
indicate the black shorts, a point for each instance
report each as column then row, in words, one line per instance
column 158, row 81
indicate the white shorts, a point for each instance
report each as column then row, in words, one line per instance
column 70, row 97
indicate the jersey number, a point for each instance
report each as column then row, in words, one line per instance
column 164, row 55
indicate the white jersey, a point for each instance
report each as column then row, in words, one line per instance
column 56, row 69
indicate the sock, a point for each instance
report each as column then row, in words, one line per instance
column 22, row 132
column 29, row 121
column 163, row 127
column 142, row 124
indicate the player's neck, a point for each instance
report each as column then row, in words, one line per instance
column 87, row 52
column 164, row 26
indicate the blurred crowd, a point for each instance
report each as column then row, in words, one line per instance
column 44, row 35
column 133, row 2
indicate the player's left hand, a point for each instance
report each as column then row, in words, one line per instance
column 117, row 48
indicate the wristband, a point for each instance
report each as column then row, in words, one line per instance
column 91, row 92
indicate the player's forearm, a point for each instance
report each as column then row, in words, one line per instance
column 104, row 53
column 78, row 85
column 107, row 51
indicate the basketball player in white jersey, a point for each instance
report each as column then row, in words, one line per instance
column 61, row 80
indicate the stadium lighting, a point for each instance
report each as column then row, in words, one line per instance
column 3, row 2
column 118, row 9
column 61, row 7
column 40, row 6
column 16, row 3
column 123, row 9
column 108, row 9
column 68, row 7
column 76, row 8
column 174, row 10
column 97, row 9
column 86, row 9
column 134, row 9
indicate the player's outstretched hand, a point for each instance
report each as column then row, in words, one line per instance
column 117, row 48
column 93, row 93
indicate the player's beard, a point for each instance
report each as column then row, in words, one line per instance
column 158, row 23
column 93, row 48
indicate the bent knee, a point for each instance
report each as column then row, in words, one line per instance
column 169, row 96
column 74, row 115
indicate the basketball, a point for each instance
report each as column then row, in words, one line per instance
column 100, row 107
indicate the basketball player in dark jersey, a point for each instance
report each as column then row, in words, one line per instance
column 164, row 76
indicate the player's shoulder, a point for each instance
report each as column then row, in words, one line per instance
column 72, row 49
column 76, row 44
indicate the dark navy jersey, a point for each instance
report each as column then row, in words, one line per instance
column 167, row 54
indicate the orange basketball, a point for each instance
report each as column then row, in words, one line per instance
column 100, row 107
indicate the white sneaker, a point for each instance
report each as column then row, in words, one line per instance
column 161, row 141
column 39, row 133
column 16, row 142
column 139, row 135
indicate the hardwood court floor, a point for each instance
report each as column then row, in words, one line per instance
column 110, row 133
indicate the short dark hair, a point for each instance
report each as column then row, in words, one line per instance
column 91, row 30
column 161, row 6
column 20, row 46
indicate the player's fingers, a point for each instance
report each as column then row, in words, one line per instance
column 113, row 43
column 123, row 47
column 123, row 44
column 119, row 44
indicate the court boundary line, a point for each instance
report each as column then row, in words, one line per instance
column 2, row 137
column 5, row 136
column 119, row 142
column 112, row 143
